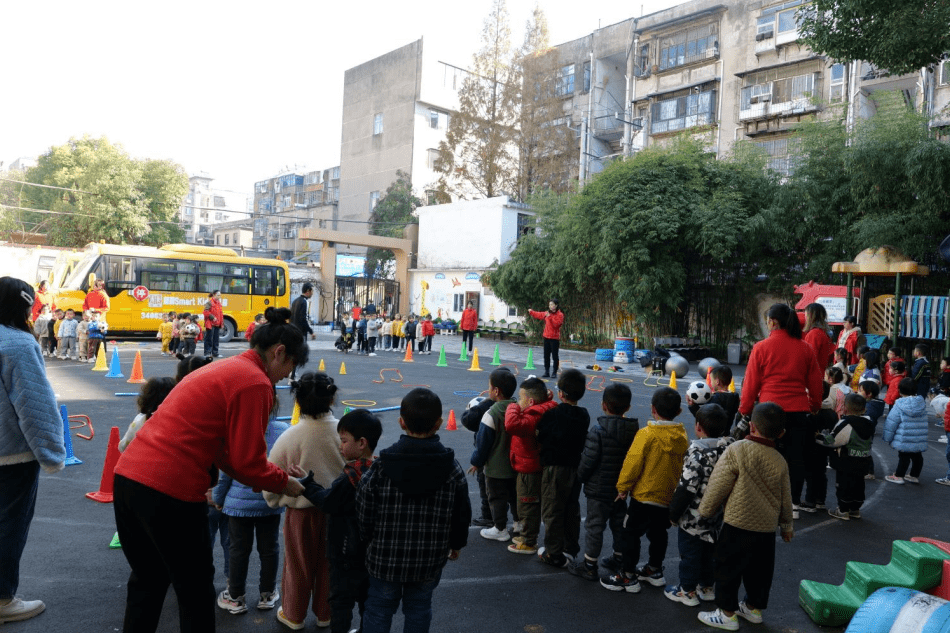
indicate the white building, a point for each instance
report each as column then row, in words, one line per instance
column 458, row 243
column 204, row 207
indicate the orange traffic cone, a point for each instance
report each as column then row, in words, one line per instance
column 709, row 377
column 475, row 366
column 104, row 494
column 408, row 357
column 137, row 376
column 451, row 426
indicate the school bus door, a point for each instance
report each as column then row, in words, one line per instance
column 263, row 289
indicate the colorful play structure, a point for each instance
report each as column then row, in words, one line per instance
column 882, row 598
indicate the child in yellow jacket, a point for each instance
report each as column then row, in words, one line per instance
column 650, row 474
column 165, row 333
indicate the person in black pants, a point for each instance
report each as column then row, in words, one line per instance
column 298, row 310
column 553, row 319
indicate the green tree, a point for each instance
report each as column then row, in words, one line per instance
column 655, row 244
column 899, row 36
column 478, row 155
column 111, row 196
column 390, row 217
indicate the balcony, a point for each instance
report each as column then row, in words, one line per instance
column 608, row 128
column 767, row 109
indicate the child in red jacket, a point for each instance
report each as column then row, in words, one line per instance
column 521, row 419
column 896, row 373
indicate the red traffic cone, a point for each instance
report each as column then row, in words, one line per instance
column 104, row 494
column 451, row 426
column 137, row 376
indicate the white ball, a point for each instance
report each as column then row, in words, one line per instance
column 474, row 402
column 698, row 392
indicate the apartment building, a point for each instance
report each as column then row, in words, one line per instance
column 395, row 113
column 205, row 206
column 725, row 70
column 290, row 201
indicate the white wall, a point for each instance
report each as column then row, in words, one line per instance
column 467, row 234
column 443, row 285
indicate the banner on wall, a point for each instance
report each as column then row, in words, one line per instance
column 350, row 265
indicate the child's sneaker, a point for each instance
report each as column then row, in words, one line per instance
column 677, row 594
column 231, row 605
column 522, row 548
column 561, row 560
column 944, row 481
column 706, row 594
column 719, row 620
column 855, row 514
column 911, row 480
column 795, row 509
column 651, row 575
column 752, row 615
column 586, row 570
column 621, row 582
column 895, row 480
column 839, row 514
column 290, row 624
column 805, row 506
column 942, row 439
column 494, row 534
column 613, row 564
column 268, row 600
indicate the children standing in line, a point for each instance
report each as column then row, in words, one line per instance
column 873, row 409
column 359, row 432
column 360, row 326
column 67, row 336
column 472, row 420
column 920, row 372
column 898, row 371
column 189, row 334
column 852, row 438
column 893, row 354
column 248, row 514
column 165, row 334
column 751, row 480
column 561, row 433
column 82, row 338
column 492, row 455
column 413, row 513
column 697, row 534
column 313, row 444
column 53, row 332
column 409, row 332
column 858, row 370
column 372, row 332
column 651, row 470
column 839, row 389
column 386, row 331
column 176, row 340
column 841, row 362
column 398, row 334
column 521, row 419
column 871, row 369
column 906, row 431
column 97, row 335
column 428, row 331
column 816, row 460
column 420, row 337
column 606, row 446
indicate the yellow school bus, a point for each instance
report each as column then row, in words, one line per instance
column 144, row 282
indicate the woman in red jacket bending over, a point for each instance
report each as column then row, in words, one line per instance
column 553, row 319
column 214, row 418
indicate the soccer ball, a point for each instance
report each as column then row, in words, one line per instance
column 698, row 393
column 474, row 402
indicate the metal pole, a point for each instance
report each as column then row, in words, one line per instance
column 849, row 306
column 897, row 308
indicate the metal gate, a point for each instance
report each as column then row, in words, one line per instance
column 383, row 293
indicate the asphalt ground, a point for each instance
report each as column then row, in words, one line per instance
column 68, row 564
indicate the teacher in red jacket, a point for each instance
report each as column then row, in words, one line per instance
column 553, row 319
column 468, row 324
column 783, row 369
column 214, row 418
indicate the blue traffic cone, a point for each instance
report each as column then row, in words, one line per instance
column 71, row 459
column 115, row 370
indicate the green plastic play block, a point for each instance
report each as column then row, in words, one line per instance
column 913, row 565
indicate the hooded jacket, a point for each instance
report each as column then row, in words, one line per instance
column 412, row 508
column 700, row 461
column 521, row 425
column 654, row 462
column 906, row 426
column 606, row 446
column 851, row 438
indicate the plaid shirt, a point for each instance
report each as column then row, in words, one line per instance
column 412, row 508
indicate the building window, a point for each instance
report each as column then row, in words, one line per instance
column 837, row 84
column 682, row 112
column 189, row 212
column 227, row 239
column 458, row 302
column 438, row 120
column 260, row 187
column 945, row 72
column 586, row 76
column 432, row 158
column 778, row 92
column 565, row 81
column 525, row 225
column 643, row 68
column 373, row 199
column 689, row 46
column 782, row 155
column 378, row 124
column 335, row 173
column 313, row 178
column 512, row 311
column 235, row 238
column 217, row 239
column 779, row 22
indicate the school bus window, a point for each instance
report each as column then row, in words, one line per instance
column 281, row 282
column 211, row 268
column 238, row 271
column 210, row 283
column 237, row 286
column 168, row 265
column 263, row 281
column 155, row 281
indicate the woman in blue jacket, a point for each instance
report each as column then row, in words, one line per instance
column 906, row 431
column 31, row 436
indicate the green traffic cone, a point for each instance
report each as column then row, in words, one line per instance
column 115, row 544
column 464, row 357
column 530, row 362
column 495, row 359
column 442, row 362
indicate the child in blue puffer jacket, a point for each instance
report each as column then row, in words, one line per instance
column 906, row 430
column 248, row 513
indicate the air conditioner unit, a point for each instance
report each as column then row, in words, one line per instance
column 766, row 97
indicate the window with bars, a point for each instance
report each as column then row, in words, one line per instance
column 771, row 88
column 682, row 112
column 780, row 22
column 783, row 154
column 689, row 46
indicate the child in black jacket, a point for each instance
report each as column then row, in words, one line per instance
column 852, row 438
column 561, row 434
column 359, row 432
